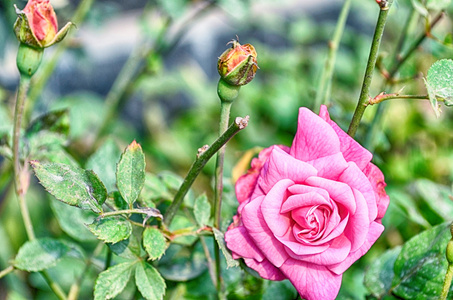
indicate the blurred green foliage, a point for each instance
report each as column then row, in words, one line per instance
column 178, row 113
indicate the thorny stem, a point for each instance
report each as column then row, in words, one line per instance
column 383, row 97
column 47, row 69
column 390, row 80
column 225, row 107
column 199, row 163
column 364, row 94
column 325, row 86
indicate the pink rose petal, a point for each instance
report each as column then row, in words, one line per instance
column 352, row 151
column 265, row 269
column 373, row 234
column 314, row 138
column 313, row 282
column 377, row 182
column 239, row 241
column 263, row 237
column 338, row 191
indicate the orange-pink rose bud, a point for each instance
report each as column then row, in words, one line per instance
column 238, row 65
column 37, row 25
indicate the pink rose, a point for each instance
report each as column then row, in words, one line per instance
column 42, row 20
column 306, row 213
column 37, row 25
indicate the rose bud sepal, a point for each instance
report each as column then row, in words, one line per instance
column 237, row 65
column 227, row 92
column 25, row 34
column 28, row 59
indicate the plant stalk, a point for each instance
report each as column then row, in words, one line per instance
column 325, row 85
column 202, row 158
column 364, row 94
column 20, row 192
column 447, row 282
column 6, row 271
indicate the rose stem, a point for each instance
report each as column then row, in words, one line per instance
column 18, row 113
column 447, row 282
column 199, row 163
column 47, row 69
column 325, row 86
column 361, row 105
column 380, row 110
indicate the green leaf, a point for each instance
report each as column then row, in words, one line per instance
column 420, row 7
column 154, row 243
column 116, row 201
column 439, row 80
column 379, row 276
column 202, row 210
column 111, row 229
column 40, row 254
column 103, row 162
column 55, row 121
column 279, row 290
column 112, row 281
column 71, row 185
column 72, row 220
column 153, row 191
column 219, row 237
column 182, row 263
column 149, row 282
column 130, row 174
column 129, row 248
column 437, row 197
column 421, row 265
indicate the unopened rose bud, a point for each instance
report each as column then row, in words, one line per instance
column 449, row 252
column 37, row 26
column 237, row 66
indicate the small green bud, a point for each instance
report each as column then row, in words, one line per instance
column 226, row 91
column 238, row 65
column 450, row 252
column 28, row 59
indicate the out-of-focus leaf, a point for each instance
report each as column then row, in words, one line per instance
column 182, row 263
column 408, row 205
column 85, row 113
column 182, row 223
column 73, row 219
column 111, row 229
column 71, row 185
column 116, row 201
column 173, row 182
column 112, row 281
column 437, row 5
column 175, row 8
column 280, row 290
column 219, row 237
column 129, row 248
column 103, row 163
column 154, row 243
column 420, row 7
column 437, row 197
column 130, row 174
column 55, row 121
column 421, row 265
column 149, row 282
column 439, row 80
column 202, row 210
column 153, row 191
column 379, row 276
column 40, row 254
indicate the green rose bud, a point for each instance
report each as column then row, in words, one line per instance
column 237, row 66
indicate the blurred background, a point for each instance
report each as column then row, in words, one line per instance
column 147, row 70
